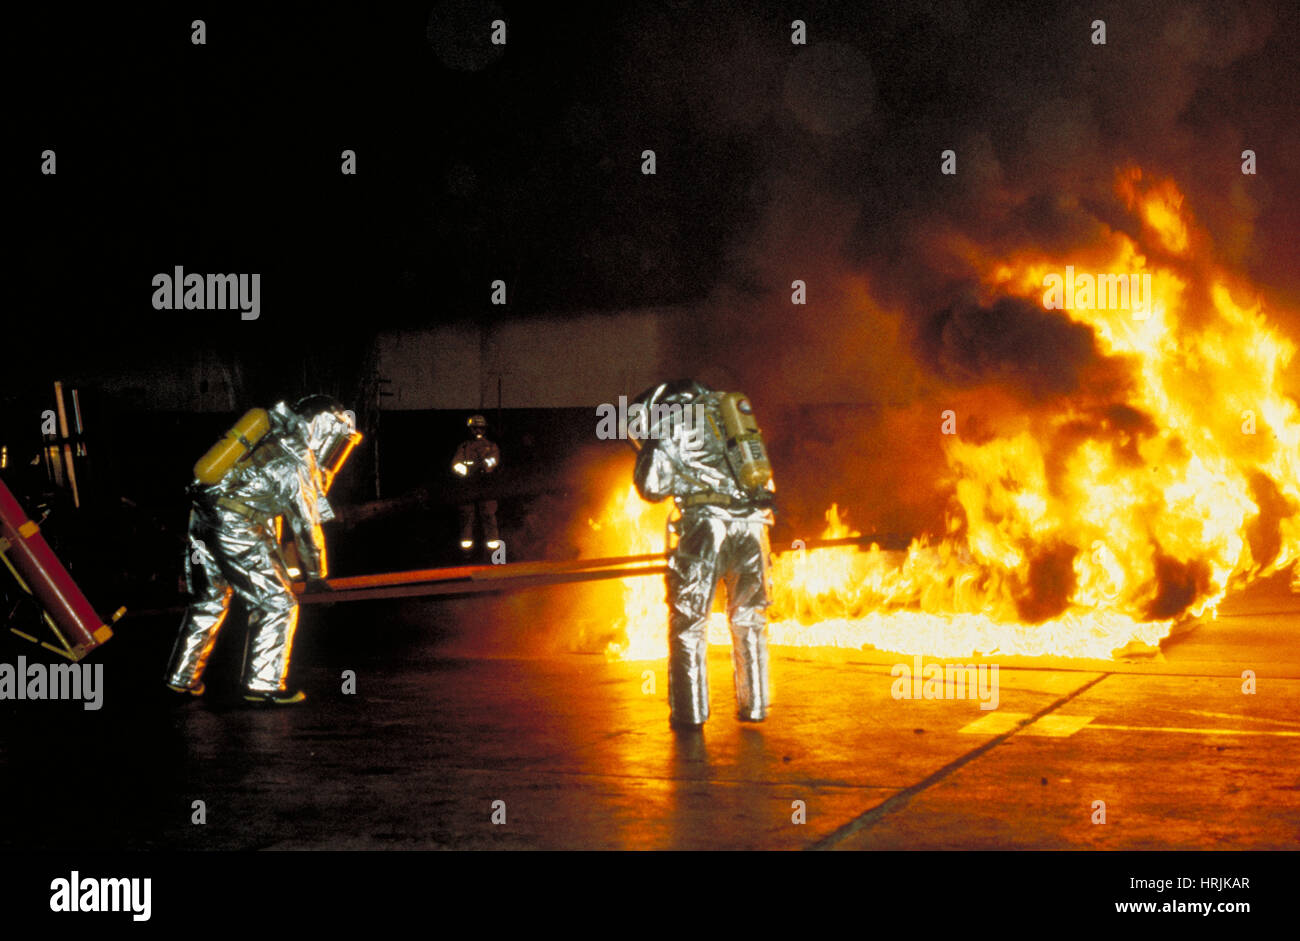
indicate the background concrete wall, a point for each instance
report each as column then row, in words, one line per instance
column 575, row 362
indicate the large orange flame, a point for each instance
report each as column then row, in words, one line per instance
column 1079, row 533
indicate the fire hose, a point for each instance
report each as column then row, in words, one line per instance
column 485, row 579
column 479, row 579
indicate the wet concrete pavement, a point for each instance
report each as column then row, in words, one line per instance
column 580, row 753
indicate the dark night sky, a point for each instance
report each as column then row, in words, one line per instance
column 526, row 165
column 226, row 157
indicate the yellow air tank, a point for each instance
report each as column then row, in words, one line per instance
column 745, row 448
column 234, row 447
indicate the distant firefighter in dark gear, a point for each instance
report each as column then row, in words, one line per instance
column 274, row 464
column 475, row 461
column 703, row 449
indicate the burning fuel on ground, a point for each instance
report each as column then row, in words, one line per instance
column 1081, row 531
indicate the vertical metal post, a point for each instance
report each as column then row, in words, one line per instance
column 81, row 431
column 67, row 445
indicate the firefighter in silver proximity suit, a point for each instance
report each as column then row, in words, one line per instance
column 233, row 545
column 722, row 536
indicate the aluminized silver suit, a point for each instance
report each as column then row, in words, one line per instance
column 722, row 536
column 233, row 547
